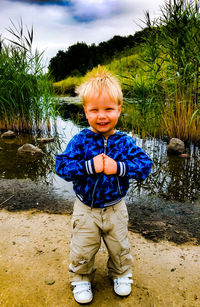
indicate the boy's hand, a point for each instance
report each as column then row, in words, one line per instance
column 98, row 163
column 110, row 166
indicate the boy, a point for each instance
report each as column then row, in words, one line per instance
column 100, row 161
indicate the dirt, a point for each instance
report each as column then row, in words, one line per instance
column 35, row 227
column 34, row 267
column 154, row 218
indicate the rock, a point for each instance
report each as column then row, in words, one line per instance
column 176, row 146
column 49, row 281
column 30, row 149
column 1, row 148
column 45, row 140
column 8, row 135
column 184, row 155
column 39, row 251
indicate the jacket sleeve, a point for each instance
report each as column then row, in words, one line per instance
column 70, row 165
column 135, row 164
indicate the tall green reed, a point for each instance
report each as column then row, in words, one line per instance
column 26, row 102
column 170, row 68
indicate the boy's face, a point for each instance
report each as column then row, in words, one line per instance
column 102, row 113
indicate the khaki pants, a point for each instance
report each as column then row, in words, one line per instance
column 89, row 226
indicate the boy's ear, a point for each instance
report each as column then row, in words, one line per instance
column 120, row 108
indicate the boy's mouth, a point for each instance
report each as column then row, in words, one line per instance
column 102, row 124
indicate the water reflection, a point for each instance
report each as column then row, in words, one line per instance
column 14, row 165
column 172, row 177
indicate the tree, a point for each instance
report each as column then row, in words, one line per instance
column 81, row 57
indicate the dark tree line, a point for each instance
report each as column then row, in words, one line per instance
column 79, row 58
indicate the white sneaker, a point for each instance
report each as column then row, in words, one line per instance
column 122, row 285
column 82, row 291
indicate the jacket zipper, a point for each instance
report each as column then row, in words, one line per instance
column 105, row 147
column 95, row 186
column 119, row 186
column 105, row 144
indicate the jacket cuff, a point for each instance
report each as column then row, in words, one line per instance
column 89, row 165
column 121, row 169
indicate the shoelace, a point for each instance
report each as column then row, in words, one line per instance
column 81, row 286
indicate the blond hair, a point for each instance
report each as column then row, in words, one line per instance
column 97, row 81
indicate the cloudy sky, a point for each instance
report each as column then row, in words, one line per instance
column 60, row 23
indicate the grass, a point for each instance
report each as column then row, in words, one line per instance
column 67, row 86
column 25, row 91
column 182, row 119
column 140, row 122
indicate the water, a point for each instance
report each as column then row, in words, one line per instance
column 172, row 178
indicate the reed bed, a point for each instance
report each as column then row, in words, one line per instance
column 182, row 119
column 26, row 102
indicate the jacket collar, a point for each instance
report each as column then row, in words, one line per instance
column 89, row 132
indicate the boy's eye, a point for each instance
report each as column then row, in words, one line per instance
column 109, row 109
column 93, row 110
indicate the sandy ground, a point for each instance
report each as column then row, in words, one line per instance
column 34, row 251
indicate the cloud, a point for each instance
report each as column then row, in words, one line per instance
column 90, row 10
column 56, row 26
column 45, row 2
column 83, row 10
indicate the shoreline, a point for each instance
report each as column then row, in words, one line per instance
column 154, row 218
column 34, row 266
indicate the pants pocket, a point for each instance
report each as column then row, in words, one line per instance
column 79, row 215
column 78, row 221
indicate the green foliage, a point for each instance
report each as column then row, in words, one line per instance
column 181, row 119
column 167, row 78
column 83, row 58
column 125, row 68
column 67, row 86
column 177, row 40
column 140, row 120
column 25, row 92
column 180, row 43
column 171, row 51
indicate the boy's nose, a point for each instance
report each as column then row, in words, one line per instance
column 101, row 114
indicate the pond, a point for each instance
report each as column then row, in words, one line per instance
column 172, row 189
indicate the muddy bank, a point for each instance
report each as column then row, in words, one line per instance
column 26, row 195
column 152, row 217
column 156, row 219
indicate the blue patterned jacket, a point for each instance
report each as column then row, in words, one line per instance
column 101, row 190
